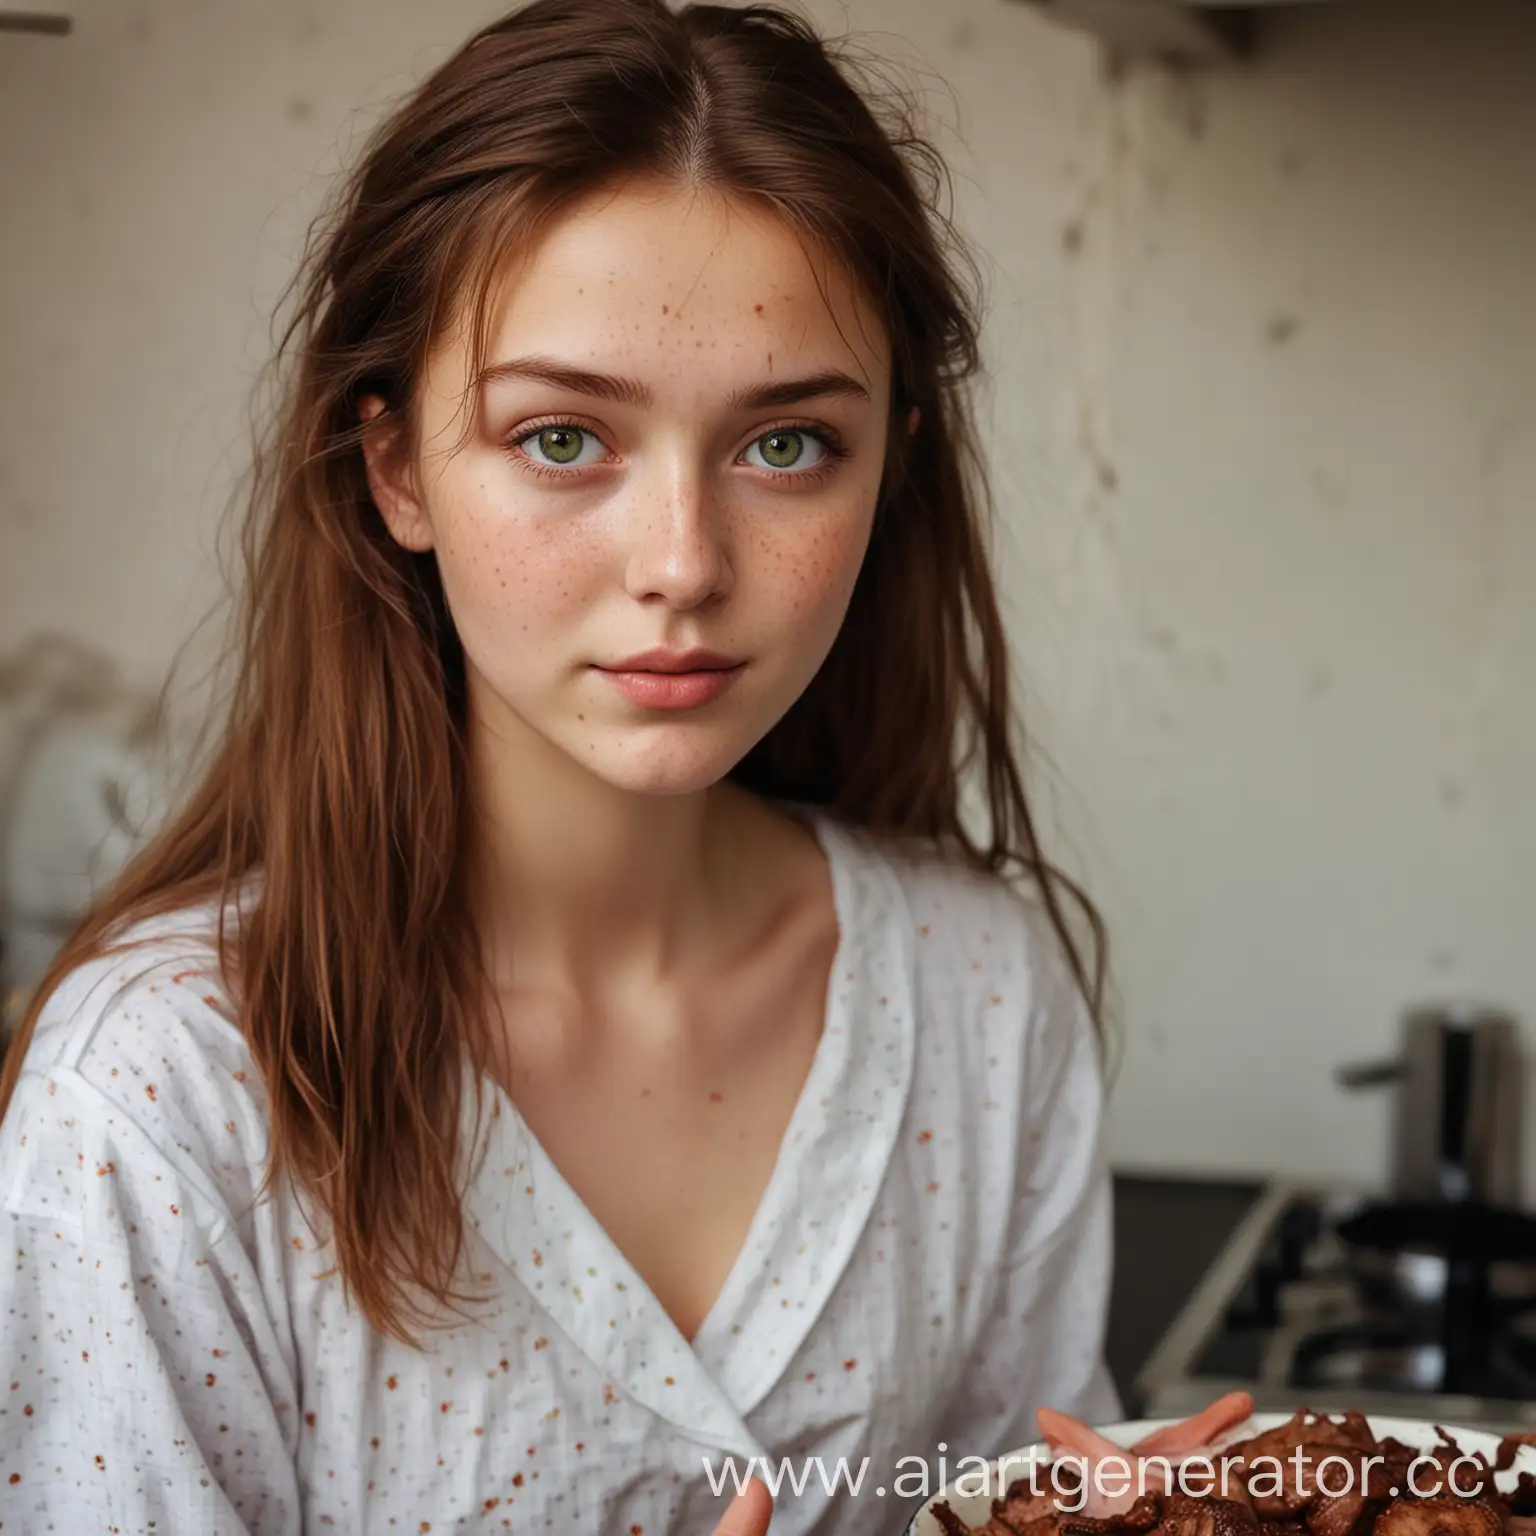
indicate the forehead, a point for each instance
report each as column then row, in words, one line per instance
column 682, row 287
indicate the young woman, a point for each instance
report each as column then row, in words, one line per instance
column 568, row 1038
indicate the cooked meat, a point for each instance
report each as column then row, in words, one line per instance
column 1447, row 1516
column 1021, row 1509
column 1286, row 1486
column 1274, row 1483
column 1306, row 1428
column 954, row 1526
column 1020, row 1516
column 1521, row 1499
column 1185, row 1515
column 1338, row 1514
column 1143, row 1514
column 1509, row 1448
column 1446, row 1468
column 1038, row 1525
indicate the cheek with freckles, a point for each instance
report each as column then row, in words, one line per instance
column 511, row 581
column 805, row 575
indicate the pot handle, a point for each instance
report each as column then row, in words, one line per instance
column 1368, row 1074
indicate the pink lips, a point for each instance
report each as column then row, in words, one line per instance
column 662, row 679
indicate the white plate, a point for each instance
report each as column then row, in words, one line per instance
column 976, row 1509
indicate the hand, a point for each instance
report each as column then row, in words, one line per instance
column 749, row 1514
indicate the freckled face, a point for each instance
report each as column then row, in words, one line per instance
column 679, row 445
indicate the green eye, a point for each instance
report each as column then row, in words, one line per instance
column 782, row 450
column 561, row 445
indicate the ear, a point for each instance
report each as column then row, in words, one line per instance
column 913, row 417
column 391, row 481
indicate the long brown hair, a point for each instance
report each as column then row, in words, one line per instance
column 340, row 777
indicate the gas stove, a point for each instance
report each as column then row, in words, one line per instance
column 1330, row 1299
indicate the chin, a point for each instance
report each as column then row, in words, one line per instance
column 657, row 770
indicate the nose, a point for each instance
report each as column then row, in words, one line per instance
column 679, row 551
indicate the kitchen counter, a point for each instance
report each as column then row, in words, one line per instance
column 1167, row 1233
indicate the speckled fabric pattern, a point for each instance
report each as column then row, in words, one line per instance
column 929, row 1263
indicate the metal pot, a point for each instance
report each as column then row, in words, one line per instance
column 1459, row 1080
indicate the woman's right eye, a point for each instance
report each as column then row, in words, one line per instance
column 562, row 446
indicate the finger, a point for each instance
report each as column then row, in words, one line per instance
column 1064, row 1433
column 1199, row 1429
column 750, row 1512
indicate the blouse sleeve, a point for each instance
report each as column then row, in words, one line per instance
column 1042, row 1340
column 143, row 1388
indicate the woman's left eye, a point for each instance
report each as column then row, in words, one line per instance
column 792, row 448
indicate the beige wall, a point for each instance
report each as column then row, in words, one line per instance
column 1264, row 363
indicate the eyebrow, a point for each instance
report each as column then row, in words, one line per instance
column 605, row 386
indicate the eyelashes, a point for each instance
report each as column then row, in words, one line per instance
column 558, row 448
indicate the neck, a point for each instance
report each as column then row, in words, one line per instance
column 578, row 882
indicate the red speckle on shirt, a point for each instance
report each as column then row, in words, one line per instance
column 374, row 1442
column 849, row 1365
column 491, row 1504
column 392, row 1383
column 15, row 1478
column 149, row 1088
column 239, row 1077
column 924, row 1137
column 538, row 1259
column 110, row 1168
column 932, row 1188
column 504, row 1365
column 444, row 1407
column 541, row 1343
column 637, row 1530
column 85, row 1355
column 175, row 1210
column 581, row 1445
column 810, row 1375
column 669, row 1381
column 211, row 1000
column 923, row 929
column 298, row 1242
column 517, row 1479
column 209, row 1379
column 309, row 1419
column 28, row 1410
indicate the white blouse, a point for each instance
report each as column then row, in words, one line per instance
column 930, row 1263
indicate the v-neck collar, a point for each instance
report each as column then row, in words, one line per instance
column 825, row 1180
